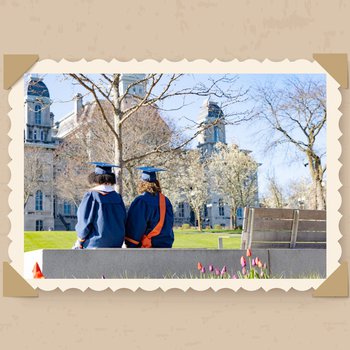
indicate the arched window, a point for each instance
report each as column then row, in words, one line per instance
column 39, row 225
column 181, row 208
column 216, row 134
column 221, row 207
column 37, row 114
column 38, row 200
column 66, row 208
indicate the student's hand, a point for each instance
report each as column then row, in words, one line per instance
column 78, row 244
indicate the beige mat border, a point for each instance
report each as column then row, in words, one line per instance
column 198, row 66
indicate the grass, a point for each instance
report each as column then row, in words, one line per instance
column 183, row 239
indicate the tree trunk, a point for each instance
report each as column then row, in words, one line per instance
column 231, row 220
column 317, row 179
column 198, row 214
column 118, row 155
column 119, row 161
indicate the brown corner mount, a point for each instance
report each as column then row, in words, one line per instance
column 336, row 285
column 14, row 285
column 336, row 64
column 15, row 66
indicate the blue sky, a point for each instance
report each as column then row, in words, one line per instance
column 281, row 162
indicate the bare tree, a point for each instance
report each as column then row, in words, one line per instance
column 37, row 171
column 234, row 176
column 301, row 194
column 275, row 196
column 92, row 140
column 108, row 95
column 296, row 114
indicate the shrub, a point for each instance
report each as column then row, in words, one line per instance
column 186, row 226
column 217, row 227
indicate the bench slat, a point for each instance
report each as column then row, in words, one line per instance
column 313, row 214
column 272, row 224
column 273, row 213
column 312, row 225
column 311, row 245
column 308, row 236
column 267, row 245
column 272, row 236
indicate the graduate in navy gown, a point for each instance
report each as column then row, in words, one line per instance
column 150, row 217
column 101, row 213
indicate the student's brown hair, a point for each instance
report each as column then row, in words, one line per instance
column 101, row 179
column 150, row 187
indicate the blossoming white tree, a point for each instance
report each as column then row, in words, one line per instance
column 233, row 174
column 192, row 183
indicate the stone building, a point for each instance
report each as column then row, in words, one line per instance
column 215, row 211
column 44, row 209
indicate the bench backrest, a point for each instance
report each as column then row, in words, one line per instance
column 283, row 228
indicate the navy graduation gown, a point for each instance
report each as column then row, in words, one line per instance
column 101, row 220
column 143, row 216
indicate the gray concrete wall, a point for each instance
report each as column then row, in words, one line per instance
column 171, row 263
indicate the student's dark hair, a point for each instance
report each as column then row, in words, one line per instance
column 101, row 179
column 150, row 187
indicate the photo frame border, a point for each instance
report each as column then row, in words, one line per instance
column 184, row 66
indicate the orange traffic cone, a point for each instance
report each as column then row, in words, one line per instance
column 37, row 272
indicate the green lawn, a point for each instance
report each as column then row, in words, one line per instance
column 183, row 239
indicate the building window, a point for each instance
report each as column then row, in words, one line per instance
column 39, row 225
column 181, row 208
column 216, row 134
column 37, row 114
column 221, row 207
column 240, row 212
column 41, row 135
column 66, row 208
column 205, row 210
column 39, row 200
column 35, row 134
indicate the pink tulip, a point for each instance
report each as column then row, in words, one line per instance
column 203, row 269
column 224, row 269
column 234, row 277
column 260, row 264
column 253, row 262
column 244, row 270
column 257, row 260
column 199, row 266
column 249, row 252
column 243, row 261
column 217, row 272
column 211, row 268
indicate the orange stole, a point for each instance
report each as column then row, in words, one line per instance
column 146, row 239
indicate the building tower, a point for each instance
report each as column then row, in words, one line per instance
column 38, row 119
column 211, row 114
column 129, row 79
column 38, row 157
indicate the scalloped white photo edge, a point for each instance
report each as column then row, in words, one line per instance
column 16, row 165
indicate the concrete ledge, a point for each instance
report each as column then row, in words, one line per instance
column 169, row 263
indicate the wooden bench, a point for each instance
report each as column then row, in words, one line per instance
column 283, row 228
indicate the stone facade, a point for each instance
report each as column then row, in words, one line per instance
column 44, row 209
